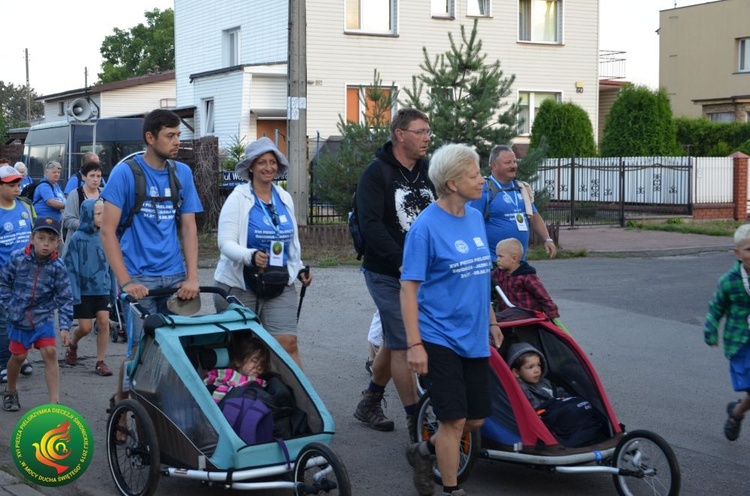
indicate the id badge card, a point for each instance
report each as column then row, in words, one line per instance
column 277, row 254
column 521, row 222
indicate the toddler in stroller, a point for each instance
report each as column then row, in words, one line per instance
column 572, row 419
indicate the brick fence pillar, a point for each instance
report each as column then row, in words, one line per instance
column 740, row 185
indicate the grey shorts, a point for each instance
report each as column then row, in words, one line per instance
column 386, row 293
column 277, row 315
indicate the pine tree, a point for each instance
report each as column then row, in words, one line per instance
column 337, row 171
column 464, row 97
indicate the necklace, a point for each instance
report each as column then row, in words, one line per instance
column 407, row 180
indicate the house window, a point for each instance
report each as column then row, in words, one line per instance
column 443, row 8
column 371, row 16
column 208, row 117
column 478, row 8
column 529, row 103
column 721, row 117
column 540, row 20
column 61, row 108
column 232, row 47
column 360, row 103
column 744, row 53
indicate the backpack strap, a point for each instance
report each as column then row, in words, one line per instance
column 36, row 188
column 492, row 187
column 140, row 192
column 28, row 206
column 81, row 198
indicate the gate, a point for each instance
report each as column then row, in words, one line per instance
column 608, row 191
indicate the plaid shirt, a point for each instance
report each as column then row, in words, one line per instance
column 731, row 301
column 524, row 289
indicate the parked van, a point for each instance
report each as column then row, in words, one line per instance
column 112, row 138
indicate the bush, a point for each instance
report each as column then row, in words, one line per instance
column 703, row 135
column 567, row 128
column 640, row 124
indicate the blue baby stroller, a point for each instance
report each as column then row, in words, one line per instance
column 170, row 426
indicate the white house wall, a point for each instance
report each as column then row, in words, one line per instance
column 199, row 27
column 227, row 92
column 336, row 59
column 143, row 98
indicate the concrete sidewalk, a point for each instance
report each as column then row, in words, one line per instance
column 615, row 241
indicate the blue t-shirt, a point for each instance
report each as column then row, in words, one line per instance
column 504, row 216
column 150, row 246
column 16, row 229
column 262, row 230
column 450, row 257
column 44, row 192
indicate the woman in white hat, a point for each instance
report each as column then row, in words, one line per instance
column 259, row 244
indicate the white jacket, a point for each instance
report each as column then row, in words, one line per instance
column 232, row 237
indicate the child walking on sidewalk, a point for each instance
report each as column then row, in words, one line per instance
column 33, row 283
column 732, row 300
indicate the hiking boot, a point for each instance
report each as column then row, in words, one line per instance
column 102, row 369
column 71, row 356
column 411, row 426
column 422, row 464
column 370, row 412
column 733, row 424
column 10, row 401
column 457, row 492
column 26, row 368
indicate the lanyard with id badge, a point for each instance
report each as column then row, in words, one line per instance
column 512, row 199
column 272, row 281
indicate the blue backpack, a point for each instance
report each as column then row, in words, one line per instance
column 248, row 415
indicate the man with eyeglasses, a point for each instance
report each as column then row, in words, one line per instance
column 391, row 192
column 507, row 204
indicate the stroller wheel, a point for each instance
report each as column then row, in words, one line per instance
column 647, row 466
column 132, row 449
column 427, row 425
column 318, row 470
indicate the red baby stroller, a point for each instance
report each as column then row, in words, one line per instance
column 640, row 462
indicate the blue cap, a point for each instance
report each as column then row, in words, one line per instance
column 47, row 223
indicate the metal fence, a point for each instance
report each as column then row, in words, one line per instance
column 609, row 191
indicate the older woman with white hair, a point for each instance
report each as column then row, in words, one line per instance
column 259, row 244
column 49, row 199
column 445, row 302
column 21, row 168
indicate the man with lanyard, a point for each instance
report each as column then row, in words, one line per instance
column 507, row 216
column 16, row 220
column 147, row 254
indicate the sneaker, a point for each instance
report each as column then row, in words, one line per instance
column 370, row 412
column 102, row 369
column 3, row 376
column 411, row 426
column 733, row 424
column 10, row 401
column 422, row 464
column 26, row 368
column 71, row 356
column 368, row 366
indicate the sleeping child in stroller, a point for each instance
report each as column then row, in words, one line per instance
column 255, row 401
column 572, row 419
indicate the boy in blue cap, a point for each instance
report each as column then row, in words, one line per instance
column 33, row 283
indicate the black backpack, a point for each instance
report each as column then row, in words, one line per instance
column 140, row 192
column 28, row 191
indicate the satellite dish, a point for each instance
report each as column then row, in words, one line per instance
column 81, row 110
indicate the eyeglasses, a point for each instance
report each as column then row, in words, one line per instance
column 421, row 132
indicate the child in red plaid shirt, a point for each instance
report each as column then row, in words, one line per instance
column 519, row 281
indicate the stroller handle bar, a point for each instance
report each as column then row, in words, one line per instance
column 142, row 312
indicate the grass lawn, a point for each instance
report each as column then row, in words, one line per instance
column 710, row 228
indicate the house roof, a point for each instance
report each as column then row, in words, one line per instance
column 117, row 85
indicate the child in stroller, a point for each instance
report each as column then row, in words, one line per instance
column 572, row 419
column 250, row 359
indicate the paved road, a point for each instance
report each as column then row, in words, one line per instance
column 639, row 319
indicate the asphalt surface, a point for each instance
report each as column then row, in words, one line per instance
column 597, row 242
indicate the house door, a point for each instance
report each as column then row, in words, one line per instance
column 275, row 130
